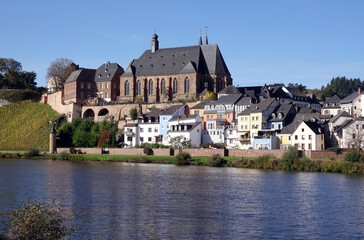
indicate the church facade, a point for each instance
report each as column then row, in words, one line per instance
column 162, row 75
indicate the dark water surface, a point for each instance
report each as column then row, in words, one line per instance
column 151, row 201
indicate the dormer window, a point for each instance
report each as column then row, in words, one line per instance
column 99, row 75
column 106, row 70
column 108, row 75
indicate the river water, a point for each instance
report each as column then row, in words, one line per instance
column 154, row 201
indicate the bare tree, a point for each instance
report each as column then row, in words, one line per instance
column 60, row 69
column 353, row 135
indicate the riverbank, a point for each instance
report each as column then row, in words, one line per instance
column 265, row 162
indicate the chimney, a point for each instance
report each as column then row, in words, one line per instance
column 359, row 90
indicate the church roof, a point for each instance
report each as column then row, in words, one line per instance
column 204, row 59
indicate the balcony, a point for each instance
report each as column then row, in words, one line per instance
column 244, row 139
column 130, row 134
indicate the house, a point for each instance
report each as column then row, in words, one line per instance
column 84, row 84
column 308, row 136
column 353, row 134
column 165, row 74
column 199, row 108
column 281, row 116
column 188, row 127
column 285, row 135
column 231, row 135
column 229, row 90
column 131, row 134
column 168, row 114
column 149, row 128
column 331, row 106
column 336, row 125
column 242, row 104
column 353, row 104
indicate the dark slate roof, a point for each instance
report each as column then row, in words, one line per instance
column 307, row 116
column 332, row 102
column 350, row 98
column 333, row 99
column 244, row 101
column 202, row 104
column 228, row 99
column 106, row 71
column 344, row 124
column 204, row 91
column 131, row 125
column 184, row 117
column 290, row 128
column 153, row 115
column 315, row 127
column 262, row 106
column 171, row 110
column 204, row 59
column 284, row 109
column 307, row 110
column 230, row 90
column 339, row 115
column 278, row 92
column 83, row 74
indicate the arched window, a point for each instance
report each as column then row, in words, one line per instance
column 175, row 85
column 126, row 88
column 187, row 85
column 150, row 87
column 163, row 86
column 139, row 88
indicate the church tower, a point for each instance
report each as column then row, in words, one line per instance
column 155, row 43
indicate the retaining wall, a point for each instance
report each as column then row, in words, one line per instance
column 254, row 153
column 325, row 154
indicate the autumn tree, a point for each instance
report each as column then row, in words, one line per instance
column 60, row 69
column 210, row 95
column 178, row 143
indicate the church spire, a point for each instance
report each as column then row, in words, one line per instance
column 200, row 41
column 155, row 43
column 206, row 41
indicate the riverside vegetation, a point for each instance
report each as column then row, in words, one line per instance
column 290, row 161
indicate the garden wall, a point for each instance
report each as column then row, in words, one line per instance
column 254, row 153
column 324, row 154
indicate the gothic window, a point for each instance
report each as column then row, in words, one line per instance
column 126, row 88
column 150, row 87
column 175, row 85
column 187, row 85
column 163, row 86
column 139, row 88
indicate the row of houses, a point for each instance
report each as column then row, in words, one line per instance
column 256, row 118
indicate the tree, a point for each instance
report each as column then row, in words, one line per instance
column 178, row 143
column 210, row 95
column 133, row 113
column 60, row 69
column 105, row 137
column 38, row 220
column 12, row 76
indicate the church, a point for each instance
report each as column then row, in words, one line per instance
column 171, row 74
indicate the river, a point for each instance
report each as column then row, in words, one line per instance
column 156, row 201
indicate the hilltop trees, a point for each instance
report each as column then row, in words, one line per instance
column 13, row 77
column 341, row 86
column 60, row 69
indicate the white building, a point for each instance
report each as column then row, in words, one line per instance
column 149, row 132
column 131, row 134
column 188, row 127
column 308, row 136
column 353, row 134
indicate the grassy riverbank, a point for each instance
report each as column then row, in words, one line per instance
column 265, row 162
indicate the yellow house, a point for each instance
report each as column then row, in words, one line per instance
column 285, row 136
column 244, row 125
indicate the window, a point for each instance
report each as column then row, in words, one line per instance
column 246, row 118
column 126, row 88
column 256, row 118
column 88, row 85
column 141, row 130
column 149, row 139
column 322, row 137
column 175, row 85
column 81, row 85
column 150, row 87
column 149, row 129
column 295, row 137
column 281, row 138
column 139, row 87
column 198, row 130
column 141, row 139
column 156, row 129
column 322, row 147
column 208, row 116
column 187, row 85
column 107, row 85
column 303, row 146
column 303, row 137
column 246, row 126
column 130, row 139
column 242, row 126
column 252, row 118
column 309, row 146
column 196, row 112
column 272, row 125
column 303, row 129
column 101, row 85
column 309, row 137
column 289, row 138
column 163, row 86
column 81, row 94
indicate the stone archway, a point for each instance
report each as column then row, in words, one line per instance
column 89, row 113
column 103, row 114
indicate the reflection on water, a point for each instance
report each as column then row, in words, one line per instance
column 123, row 200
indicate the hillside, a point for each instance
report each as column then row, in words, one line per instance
column 25, row 125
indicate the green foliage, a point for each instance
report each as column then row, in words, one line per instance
column 217, row 161
column 341, row 86
column 148, row 151
column 337, row 150
column 178, row 143
column 210, row 95
column 38, row 220
column 352, row 156
column 32, row 153
column 139, row 100
column 183, row 158
column 296, row 88
column 12, row 76
column 133, row 113
column 20, row 95
column 289, row 157
column 25, row 126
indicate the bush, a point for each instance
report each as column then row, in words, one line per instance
column 73, row 150
column 38, row 220
column 352, row 156
column 148, row 151
column 32, row 153
column 183, row 158
column 337, row 150
column 217, row 161
column 289, row 157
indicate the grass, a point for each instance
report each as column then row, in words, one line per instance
column 25, row 125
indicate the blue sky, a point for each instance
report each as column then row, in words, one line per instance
column 308, row 41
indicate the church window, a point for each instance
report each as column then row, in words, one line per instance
column 139, row 88
column 126, row 88
column 187, row 85
column 175, row 85
column 150, row 87
column 163, row 86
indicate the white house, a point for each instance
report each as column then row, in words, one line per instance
column 308, row 136
column 188, row 127
column 353, row 134
column 131, row 134
column 149, row 132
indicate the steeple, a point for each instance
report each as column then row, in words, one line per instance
column 206, row 41
column 200, row 41
column 155, row 43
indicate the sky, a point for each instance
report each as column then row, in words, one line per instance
column 263, row 42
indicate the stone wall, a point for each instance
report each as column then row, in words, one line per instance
column 325, row 154
column 205, row 152
column 83, row 150
column 254, row 153
column 126, row 151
